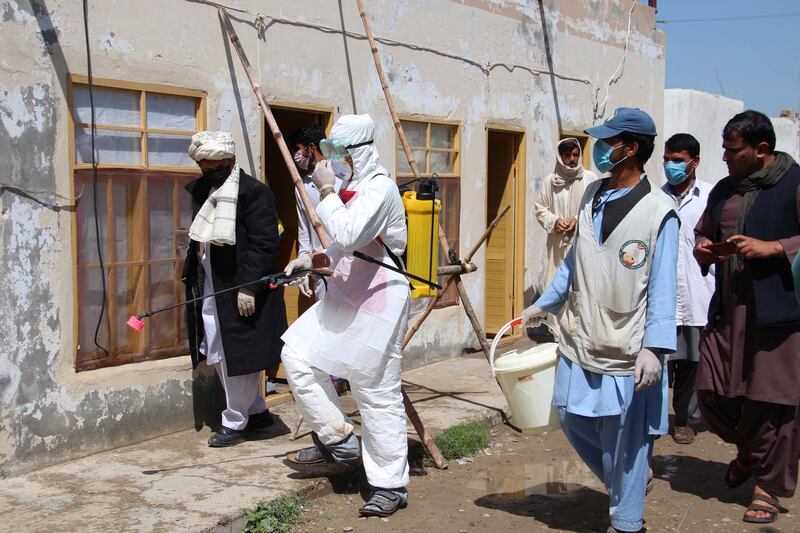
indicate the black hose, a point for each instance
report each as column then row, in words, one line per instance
column 93, row 131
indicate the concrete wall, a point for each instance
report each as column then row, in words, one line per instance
column 483, row 62
column 787, row 135
column 704, row 115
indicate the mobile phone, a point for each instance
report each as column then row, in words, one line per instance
column 723, row 248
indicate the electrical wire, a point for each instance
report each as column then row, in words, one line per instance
column 94, row 178
column 600, row 109
column 485, row 68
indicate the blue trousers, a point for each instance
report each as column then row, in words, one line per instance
column 618, row 450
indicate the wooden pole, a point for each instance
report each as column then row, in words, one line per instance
column 462, row 268
column 276, row 132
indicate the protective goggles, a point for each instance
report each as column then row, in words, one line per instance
column 337, row 149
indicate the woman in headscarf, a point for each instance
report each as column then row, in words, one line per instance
column 356, row 330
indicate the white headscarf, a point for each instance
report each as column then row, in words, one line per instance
column 212, row 145
column 563, row 173
column 357, row 129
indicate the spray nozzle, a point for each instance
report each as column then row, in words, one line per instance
column 136, row 323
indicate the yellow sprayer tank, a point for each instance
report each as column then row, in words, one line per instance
column 422, row 252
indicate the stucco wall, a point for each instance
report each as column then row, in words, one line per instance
column 703, row 115
column 483, row 63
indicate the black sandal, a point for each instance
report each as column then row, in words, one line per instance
column 384, row 502
column 736, row 475
column 773, row 511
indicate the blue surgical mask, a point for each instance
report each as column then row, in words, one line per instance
column 675, row 172
column 601, row 154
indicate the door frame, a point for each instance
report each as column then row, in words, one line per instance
column 288, row 106
column 277, row 371
column 518, row 281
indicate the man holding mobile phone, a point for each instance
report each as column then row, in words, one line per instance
column 747, row 381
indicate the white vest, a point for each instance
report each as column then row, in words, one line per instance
column 602, row 327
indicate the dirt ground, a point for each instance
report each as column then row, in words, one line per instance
column 537, row 483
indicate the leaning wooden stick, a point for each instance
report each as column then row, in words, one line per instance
column 276, row 132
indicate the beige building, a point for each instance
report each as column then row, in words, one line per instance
column 486, row 88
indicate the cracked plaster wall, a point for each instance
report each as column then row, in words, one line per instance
column 48, row 412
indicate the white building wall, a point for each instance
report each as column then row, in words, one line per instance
column 702, row 115
column 476, row 62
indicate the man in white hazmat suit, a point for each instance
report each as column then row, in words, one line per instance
column 356, row 330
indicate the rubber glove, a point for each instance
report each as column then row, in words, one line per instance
column 533, row 315
column 647, row 371
column 301, row 262
column 246, row 302
column 323, row 174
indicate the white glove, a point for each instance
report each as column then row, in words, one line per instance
column 533, row 315
column 647, row 371
column 323, row 174
column 246, row 302
column 302, row 261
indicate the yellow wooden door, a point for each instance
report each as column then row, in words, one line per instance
column 500, row 260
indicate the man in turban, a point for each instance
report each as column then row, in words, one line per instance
column 234, row 240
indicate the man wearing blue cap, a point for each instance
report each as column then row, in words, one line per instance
column 619, row 284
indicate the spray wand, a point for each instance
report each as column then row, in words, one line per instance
column 272, row 281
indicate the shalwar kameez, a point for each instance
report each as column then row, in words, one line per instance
column 356, row 330
column 748, row 380
column 611, row 426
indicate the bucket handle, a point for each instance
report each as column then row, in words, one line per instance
column 514, row 323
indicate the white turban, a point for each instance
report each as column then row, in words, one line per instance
column 212, row 145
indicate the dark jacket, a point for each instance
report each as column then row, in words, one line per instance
column 772, row 217
column 251, row 344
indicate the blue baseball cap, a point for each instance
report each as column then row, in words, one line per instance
column 630, row 119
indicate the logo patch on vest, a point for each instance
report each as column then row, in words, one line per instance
column 633, row 254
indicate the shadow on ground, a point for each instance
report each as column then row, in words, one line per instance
column 553, row 504
column 700, row 477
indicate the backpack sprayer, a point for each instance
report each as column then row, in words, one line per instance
column 271, row 281
column 422, row 254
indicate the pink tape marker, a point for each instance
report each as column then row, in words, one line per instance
column 135, row 323
column 516, row 322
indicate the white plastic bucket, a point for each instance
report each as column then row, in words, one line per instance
column 527, row 376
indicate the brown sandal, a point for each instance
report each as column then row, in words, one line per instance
column 772, row 512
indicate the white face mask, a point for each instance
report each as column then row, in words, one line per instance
column 341, row 169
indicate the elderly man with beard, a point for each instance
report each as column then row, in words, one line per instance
column 234, row 240
column 356, row 330
column 747, row 381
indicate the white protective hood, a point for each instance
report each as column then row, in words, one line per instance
column 357, row 129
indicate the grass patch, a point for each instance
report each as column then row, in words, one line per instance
column 463, row 440
column 276, row 516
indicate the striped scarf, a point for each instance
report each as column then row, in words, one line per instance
column 216, row 220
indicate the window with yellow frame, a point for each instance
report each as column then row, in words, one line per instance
column 436, row 149
column 142, row 211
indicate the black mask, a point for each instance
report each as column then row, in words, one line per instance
column 217, row 177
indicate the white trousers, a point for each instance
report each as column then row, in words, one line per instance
column 242, row 396
column 379, row 399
